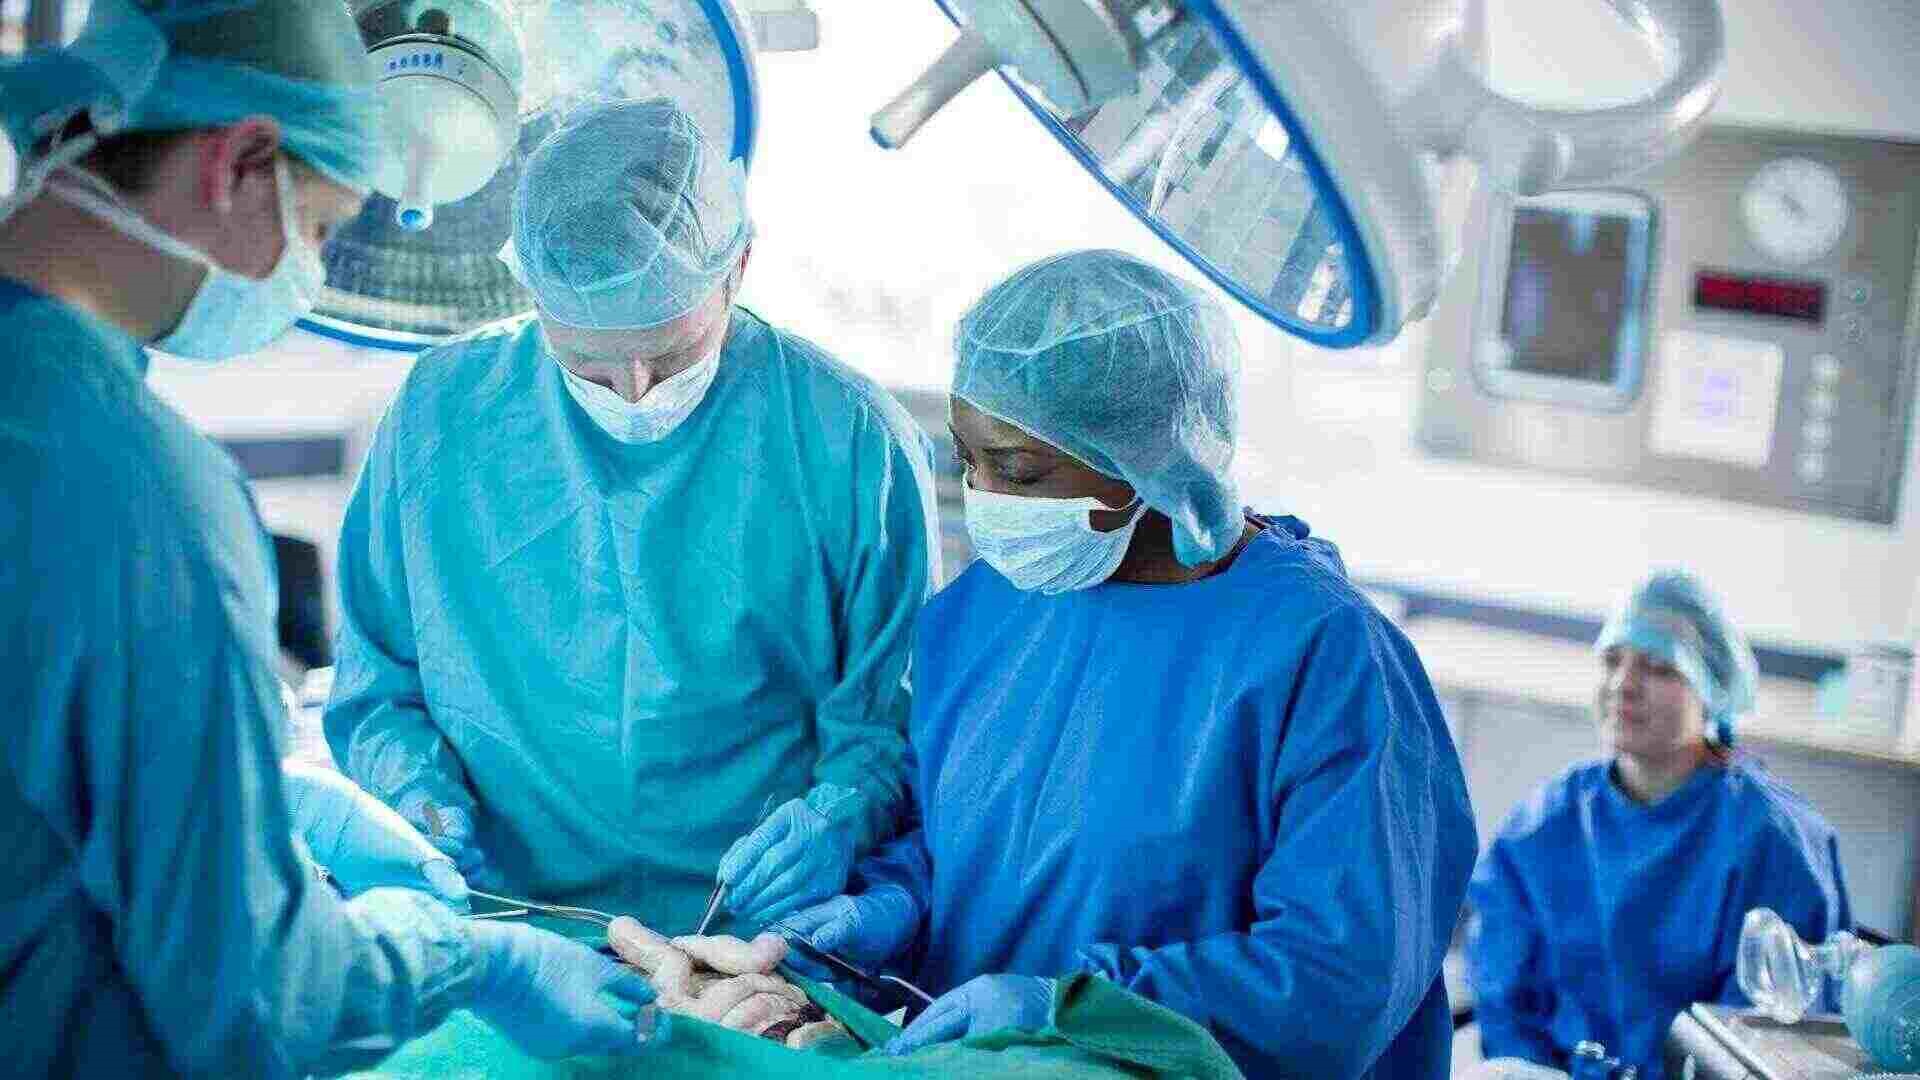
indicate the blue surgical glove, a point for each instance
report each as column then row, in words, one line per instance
column 554, row 997
column 447, row 825
column 802, row 854
column 362, row 843
column 987, row 1003
column 868, row 930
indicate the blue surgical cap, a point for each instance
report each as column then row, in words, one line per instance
column 1672, row 615
column 627, row 217
column 1127, row 368
column 173, row 65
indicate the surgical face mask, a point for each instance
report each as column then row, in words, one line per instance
column 658, row 413
column 1046, row 545
column 230, row 315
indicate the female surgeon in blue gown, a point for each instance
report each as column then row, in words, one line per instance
column 1612, row 899
column 1157, row 738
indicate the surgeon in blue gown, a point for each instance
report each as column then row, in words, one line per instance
column 628, row 585
column 1612, row 899
column 1158, row 738
column 181, row 165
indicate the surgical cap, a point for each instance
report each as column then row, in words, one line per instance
column 1125, row 367
column 1671, row 615
column 173, row 65
column 627, row 217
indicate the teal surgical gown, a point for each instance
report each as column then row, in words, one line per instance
column 1596, row 917
column 1236, row 797
column 624, row 653
column 154, row 919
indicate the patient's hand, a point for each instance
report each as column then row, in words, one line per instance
column 724, row 980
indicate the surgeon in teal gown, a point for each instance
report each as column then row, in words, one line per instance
column 630, row 583
column 156, row 916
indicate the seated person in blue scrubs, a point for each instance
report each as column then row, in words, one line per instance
column 1158, row 739
column 1613, row 898
column 622, row 575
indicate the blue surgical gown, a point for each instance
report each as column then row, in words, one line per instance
column 1596, row 917
column 1236, row 797
column 154, row 919
column 624, row 653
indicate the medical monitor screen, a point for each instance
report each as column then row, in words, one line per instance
column 1571, row 292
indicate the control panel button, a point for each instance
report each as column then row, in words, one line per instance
column 1813, row 468
column 1818, row 434
column 1440, row 380
column 1853, row 329
column 1826, row 369
column 1857, row 290
column 1820, row 403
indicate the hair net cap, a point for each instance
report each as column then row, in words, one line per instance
column 1126, row 367
column 168, row 65
column 627, row 216
column 1672, row 615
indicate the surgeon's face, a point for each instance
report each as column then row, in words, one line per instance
column 633, row 362
column 216, row 191
column 1002, row 459
column 1647, row 708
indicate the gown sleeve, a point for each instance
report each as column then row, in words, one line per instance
column 377, row 722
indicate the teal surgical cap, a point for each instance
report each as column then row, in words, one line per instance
column 627, row 217
column 172, row 65
column 1672, row 615
column 1127, row 368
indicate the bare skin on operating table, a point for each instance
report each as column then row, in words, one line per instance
column 724, row 980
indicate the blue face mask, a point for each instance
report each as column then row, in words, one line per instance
column 229, row 315
column 1046, row 545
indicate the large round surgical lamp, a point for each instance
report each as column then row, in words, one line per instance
column 470, row 88
column 1310, row 156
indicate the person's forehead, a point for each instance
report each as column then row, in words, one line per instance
column 982, row 431
column 611, row 342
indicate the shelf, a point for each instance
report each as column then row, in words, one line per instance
column 1465, row 657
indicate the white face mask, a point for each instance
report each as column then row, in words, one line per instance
column 1046, row 545
column 229, row 315
column 658, row 413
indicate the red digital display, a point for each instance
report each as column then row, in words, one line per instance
column 1783, row 298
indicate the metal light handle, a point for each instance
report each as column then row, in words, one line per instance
column 1527, row 150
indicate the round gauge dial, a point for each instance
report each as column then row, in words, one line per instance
column 1796, row 209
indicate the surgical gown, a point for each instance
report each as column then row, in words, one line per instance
column 1596, row 917
column 1236, row 797
column 154, row 919
column 626, row 652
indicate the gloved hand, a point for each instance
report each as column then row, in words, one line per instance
column 987, row 1003
column 802, row 854
column 360, row 842
column 448, row 826
column 554, row 997
column 868, row 930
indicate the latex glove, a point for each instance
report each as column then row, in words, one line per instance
column 987, row 1003
column 869, row 929
column 554, row 997
column 361, row 843
column 447, row 826
column 802, row 854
